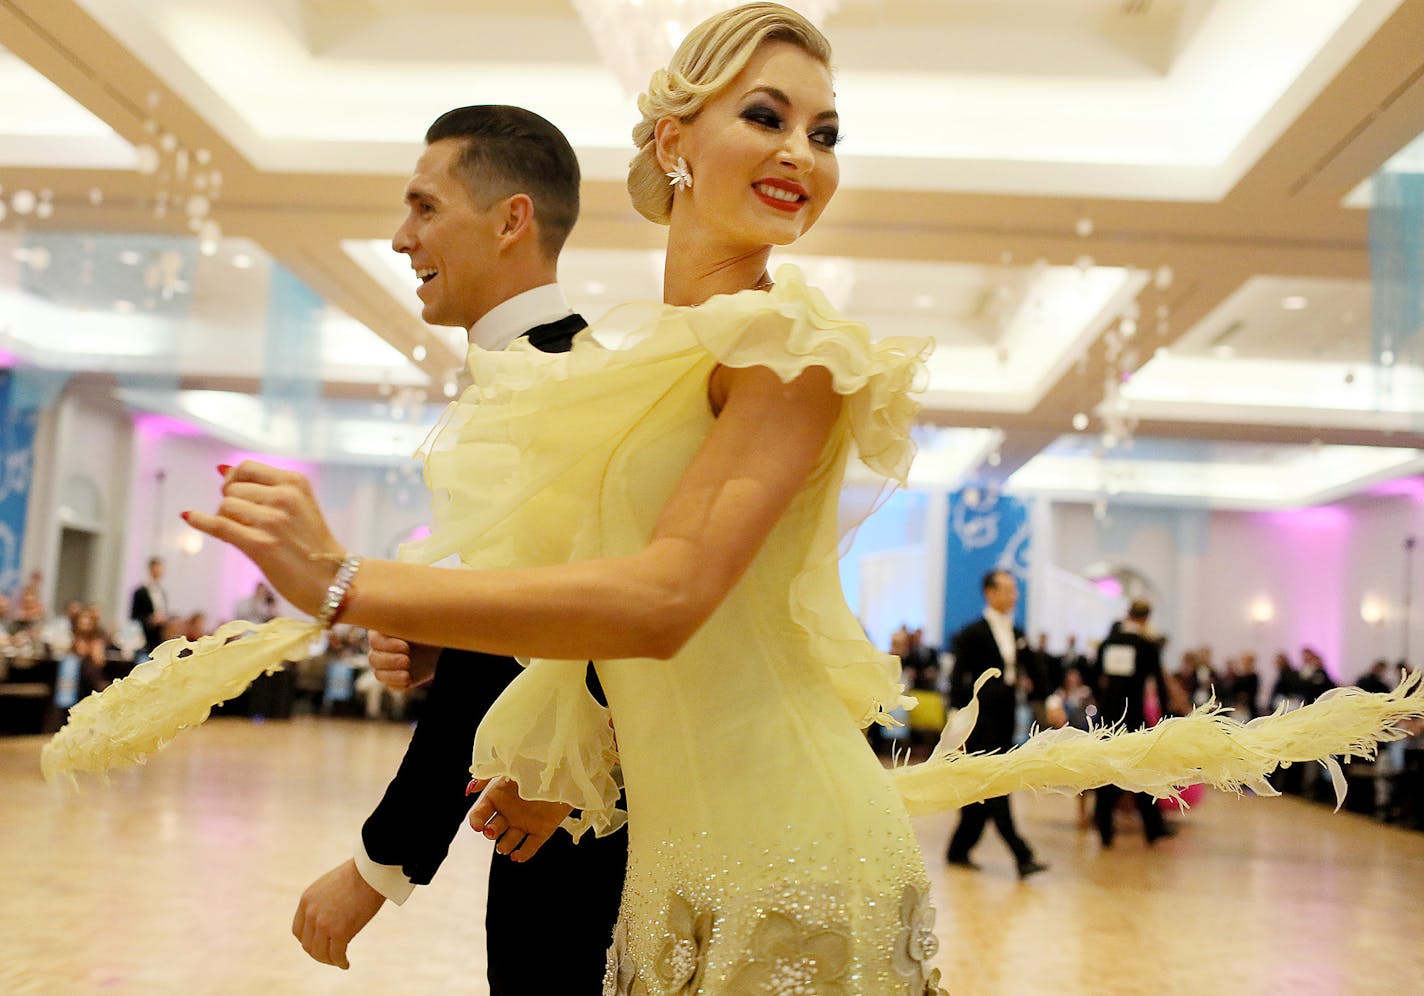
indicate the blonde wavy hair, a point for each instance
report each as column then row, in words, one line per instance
column 707, row 60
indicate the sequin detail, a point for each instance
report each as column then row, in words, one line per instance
column 788, row 959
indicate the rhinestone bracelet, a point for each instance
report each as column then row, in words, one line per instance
column 339, row 591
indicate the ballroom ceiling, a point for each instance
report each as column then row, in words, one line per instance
column 1137, row 229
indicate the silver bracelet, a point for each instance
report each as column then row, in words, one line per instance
column 340, row 589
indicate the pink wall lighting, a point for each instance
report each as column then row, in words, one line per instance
column 151, row 425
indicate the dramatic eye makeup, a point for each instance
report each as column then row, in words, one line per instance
column 762, row 113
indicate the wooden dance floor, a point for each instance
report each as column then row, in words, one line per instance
column 182, row 878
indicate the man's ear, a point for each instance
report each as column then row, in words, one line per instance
column 668, row 142
column 516, row 219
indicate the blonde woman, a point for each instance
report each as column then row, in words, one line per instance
column 680, row 530
column 668, row 509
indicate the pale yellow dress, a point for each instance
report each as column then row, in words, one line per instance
column 769, row 850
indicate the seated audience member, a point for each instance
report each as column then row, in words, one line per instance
column 195, row 626
column 1076, row 700
column 1374, row 680
column 1246, row 688
column 31, row 611
column 90, row 644
column 1286, row 690
column 260, row 606
column 1313, row 679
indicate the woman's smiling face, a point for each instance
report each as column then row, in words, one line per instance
column 761, row 152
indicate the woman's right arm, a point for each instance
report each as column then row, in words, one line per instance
column 767, row 438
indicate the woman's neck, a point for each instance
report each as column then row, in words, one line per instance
column 696, row 270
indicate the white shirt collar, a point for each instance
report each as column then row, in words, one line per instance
column 510, row 319
column 998, row 618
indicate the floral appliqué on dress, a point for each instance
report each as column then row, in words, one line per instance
column 788, row 959
column 917, row 944
column 683, row 957
column 620, row 972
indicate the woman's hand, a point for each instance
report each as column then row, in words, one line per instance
column 272, row 517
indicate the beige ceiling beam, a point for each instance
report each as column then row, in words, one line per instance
column 60, row 40
column 1372, row 108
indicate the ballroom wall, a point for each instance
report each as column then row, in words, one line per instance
column 127, row 477
column 1217, row 572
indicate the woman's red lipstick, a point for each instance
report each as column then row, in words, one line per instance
column 788, row 206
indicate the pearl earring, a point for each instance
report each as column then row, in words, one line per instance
column 680, row 177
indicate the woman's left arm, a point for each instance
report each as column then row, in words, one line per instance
column 767, row 438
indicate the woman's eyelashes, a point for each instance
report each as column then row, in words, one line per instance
column 825, row 136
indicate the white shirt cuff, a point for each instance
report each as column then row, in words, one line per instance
column 388, row 880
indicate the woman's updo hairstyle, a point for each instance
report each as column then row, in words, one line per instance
column 707, row 60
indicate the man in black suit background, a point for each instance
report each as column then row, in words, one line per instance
column 490, row 204
column 992, row 641
column 149, row 605
column 1128, row 659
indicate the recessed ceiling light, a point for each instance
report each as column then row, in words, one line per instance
column 923, row 301
column 1295, row 302
column 418, row 354
column 242, row 261
column 131, row 257
column 1224, row 352
column 594, row 287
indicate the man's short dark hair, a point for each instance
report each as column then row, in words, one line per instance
column 509, row 150
column 1139, row 610
column 991, row 578
column 154, row 560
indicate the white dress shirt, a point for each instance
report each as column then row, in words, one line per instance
column 506, row 322
column 500, row 326
column 158, row 597
column 1002, row 627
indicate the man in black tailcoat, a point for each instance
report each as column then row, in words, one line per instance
column 1128, row 659
column 992, row 641
column 491, row 202
column 149, row 605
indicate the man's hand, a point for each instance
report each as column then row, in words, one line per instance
column 332, row 911
column 518, row 826
column 400, row 665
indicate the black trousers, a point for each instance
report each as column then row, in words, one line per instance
column 971, row 827
column 560, row 904
column 1108, row 795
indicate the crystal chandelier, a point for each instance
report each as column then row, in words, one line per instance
column 635, row 37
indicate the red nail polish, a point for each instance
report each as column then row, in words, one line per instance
column 184, row 515
column 472, row 788
column 223, row 468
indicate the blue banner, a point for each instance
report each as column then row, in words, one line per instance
column 17, row 466
column 1397, row 287
column 987, row 531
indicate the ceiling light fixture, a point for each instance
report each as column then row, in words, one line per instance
column 1295, row 302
